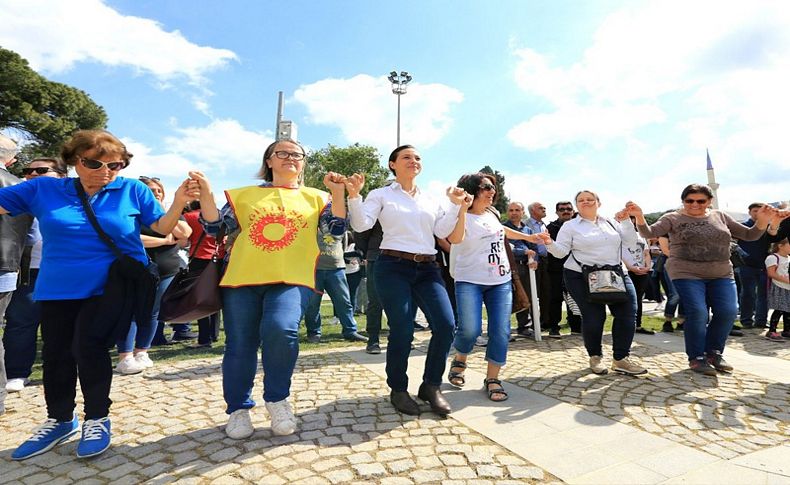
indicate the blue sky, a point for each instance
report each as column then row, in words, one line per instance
column 622, row 97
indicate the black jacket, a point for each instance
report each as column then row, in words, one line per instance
column 555, row 264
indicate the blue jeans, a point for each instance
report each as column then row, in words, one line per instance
column 499, row 301
column 22, row 318
column 141, row 337
column 264, row 317
column 673, row 299
column 704, row 334
column 373, row 310
column 401, row 284
column 334, row 282
column 754, row 300
column 594, row 316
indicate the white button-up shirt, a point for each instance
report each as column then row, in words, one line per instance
column 593, row 243
column 409, row 223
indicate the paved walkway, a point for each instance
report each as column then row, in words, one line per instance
column 561, row 424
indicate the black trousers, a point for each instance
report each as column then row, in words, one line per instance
column 73, row 348
column 641, row 281
column 521, row 271
column 208, row 327
column 556, row 290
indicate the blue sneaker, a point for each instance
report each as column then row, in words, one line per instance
column 46, row 437
column 95, row 437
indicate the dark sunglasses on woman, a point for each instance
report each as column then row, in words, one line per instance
column 38, row 170
column 96, row 164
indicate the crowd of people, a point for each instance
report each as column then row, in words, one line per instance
column 89, row 258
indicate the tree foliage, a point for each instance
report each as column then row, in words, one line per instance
column 346, row 161
column 44, row 113
column 503, row 200
column 652, row 217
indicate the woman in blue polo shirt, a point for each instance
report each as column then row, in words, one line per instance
column 74, row 270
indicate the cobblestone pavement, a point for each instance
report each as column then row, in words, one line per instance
column 754, row 342
column 168, row 425
column 726, row 416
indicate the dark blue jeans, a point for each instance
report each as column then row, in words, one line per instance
column 401, row 284
column 334, row 282
column 594, row 316
column 373, row 310
column 703, row 333
column 353, row 280
column 22, row 318
column 264, row 317
column 141, row 337
column 754, row 300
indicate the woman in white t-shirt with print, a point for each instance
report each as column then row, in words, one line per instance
column 776, row 265
column 480, row 268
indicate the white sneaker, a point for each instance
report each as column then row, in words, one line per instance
column 128, row 365
column 143, row 359
column 481, row 341
column 596, row 365
column 283, row 420
column 239, row 425
column 17, row 384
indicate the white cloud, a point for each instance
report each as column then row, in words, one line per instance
column 364, row 109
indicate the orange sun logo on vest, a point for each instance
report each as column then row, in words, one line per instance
column 273, row 231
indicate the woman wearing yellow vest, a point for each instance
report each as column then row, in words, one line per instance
column 269, row 276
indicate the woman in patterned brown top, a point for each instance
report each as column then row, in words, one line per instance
column 699, row 266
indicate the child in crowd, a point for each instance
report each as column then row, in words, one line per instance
column 778, row 288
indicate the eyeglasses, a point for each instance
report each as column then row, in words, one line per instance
column 696, row 201
column 488, row 187
column 282, row 155
column 38, row 170
column 144, row 178
column 96, row 164
column 565, row 209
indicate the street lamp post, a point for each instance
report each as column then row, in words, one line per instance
column 399, row 82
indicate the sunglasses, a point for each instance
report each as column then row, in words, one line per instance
column 38, row 170
column 96, row 164
column 144, row 178
column 487, row 187
column 565, row 209
column 696, row 201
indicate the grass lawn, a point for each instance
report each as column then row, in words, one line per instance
column 331, row 337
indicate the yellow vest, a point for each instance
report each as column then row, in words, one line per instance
column 277, row 242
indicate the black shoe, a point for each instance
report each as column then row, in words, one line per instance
column 736, row 332
column 313, row 338
column 433, row 396
column 373, row 348
column 404, row 403
column 645, row 331
column 181, row 336
column 667, row 327
column 554, row 333
column 576, row 331
column 420, row 328
column 525, row 332
column 746, row 325
column 160, row 343
column 355, row 337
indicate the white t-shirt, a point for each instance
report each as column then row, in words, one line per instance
column 781, row 262
column 481, row 258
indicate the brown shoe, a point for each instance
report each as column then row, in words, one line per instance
column 433, row 396
column 404, row 403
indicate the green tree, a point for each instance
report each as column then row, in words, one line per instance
column 652, row 217
column 43, row 113
column 353, row 159
column 503, row 200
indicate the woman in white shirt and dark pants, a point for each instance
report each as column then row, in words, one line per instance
column 406, row 272
column 595, row 240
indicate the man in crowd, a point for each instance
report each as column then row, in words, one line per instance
column 752, row 276
column 521, row 253
column 13, row 232
column 564, row 211
column 537, row 212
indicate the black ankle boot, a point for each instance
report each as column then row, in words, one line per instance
column 404, row 403
column 433, row 396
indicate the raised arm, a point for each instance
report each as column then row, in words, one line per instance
column 562, row 246
column 187, row 191
column 659, row 229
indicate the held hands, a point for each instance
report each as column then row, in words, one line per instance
column 203, row 184
column 457, row 195
column 354, row 184
column 545, row 238
column 335, row 182
column 621, row 215
column 466, row 203
column 189, row 190
column 632, row 209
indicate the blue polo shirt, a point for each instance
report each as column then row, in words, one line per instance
column 75, row 262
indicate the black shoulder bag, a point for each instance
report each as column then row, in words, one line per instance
column 605, row 283
column 130, row 289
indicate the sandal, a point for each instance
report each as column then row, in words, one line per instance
column 456, row 378
column 500, row 391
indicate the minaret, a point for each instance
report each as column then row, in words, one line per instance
column 712, row 182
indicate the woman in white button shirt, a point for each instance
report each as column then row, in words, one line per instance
column 482, row 274
column 406, row 273
column 596, row 240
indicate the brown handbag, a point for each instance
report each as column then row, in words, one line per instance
column 520, row 298
column 194, row 295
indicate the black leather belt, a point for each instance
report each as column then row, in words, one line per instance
column 417, row 258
